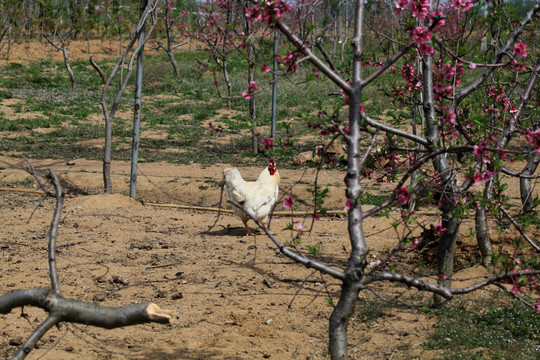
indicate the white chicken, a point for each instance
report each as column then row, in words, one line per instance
column 256, row 197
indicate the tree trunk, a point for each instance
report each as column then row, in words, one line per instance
column 525, row 188
column 68, row 67
column 482, row 235
column 339, row 321
column 227, row 81
column 169, row 43
column 107, row 183
column 447, row 246
column 447, row 243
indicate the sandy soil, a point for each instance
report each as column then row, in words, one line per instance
column 234, row 297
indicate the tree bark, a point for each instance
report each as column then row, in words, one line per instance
column 339, row 320
column 482, row 235
column 67, row 65
column 98, row 69
column 169, row 49
column 525, row 188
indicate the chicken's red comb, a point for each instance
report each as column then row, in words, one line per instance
column 272, row 162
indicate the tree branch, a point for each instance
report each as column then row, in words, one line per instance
column 309, row 263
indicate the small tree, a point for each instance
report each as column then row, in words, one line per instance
column 171, row 15
column 109, row 113
column 424, row 25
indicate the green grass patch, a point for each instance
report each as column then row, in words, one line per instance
column 487, row 329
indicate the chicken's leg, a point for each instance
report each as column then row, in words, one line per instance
column 247, row 227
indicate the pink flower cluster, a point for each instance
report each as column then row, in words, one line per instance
column 251, row 89
column 268, row 143
column 533, row 138
column 482, row 177
column 501, row 104
column 522, row 283
column 403, row 196
column 462, row 5
column 419, row 8
column 447, row 122
column 435, row 20
column 268, row 11
column 421, row 36
column 289, row 60
column 446, row 75
column 439, row 229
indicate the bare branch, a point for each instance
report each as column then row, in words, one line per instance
column 519, row 228
column 395, row 131
column 493, row 280
column 98, row 69
column 409, row 281
column 511, row 39
column 387, row 64
column 309, row 263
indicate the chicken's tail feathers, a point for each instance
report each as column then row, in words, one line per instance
column 232, row 175
column 235, row 184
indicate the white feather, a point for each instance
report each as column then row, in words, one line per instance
column 256, row 197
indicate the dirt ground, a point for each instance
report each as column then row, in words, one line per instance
column 234, row 297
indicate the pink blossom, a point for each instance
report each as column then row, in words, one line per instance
column 480, row 178
column 254, row 14
column 463, row 5
column 516, row 289
column 472, row 65
column 298, row 225
column 517, row 261
column 400, row 5
column 439, row 229
column 421, row 35
column 426, row 49
column 438, row 16
column 253, row 86
column 265, row 67
column 448, row 71
column 520, row 49
column 478, row 150
column 533, row 138
column 269, row 12
column 403, row 196
column 439, row 87
column 268, row 143
column 288, row 202
column 346, row 129
column 415, row 242
column 442, row 277
column 420, row 8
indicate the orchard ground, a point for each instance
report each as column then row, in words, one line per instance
column 234, row 296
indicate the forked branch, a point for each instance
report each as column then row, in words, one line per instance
column 61, row 309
